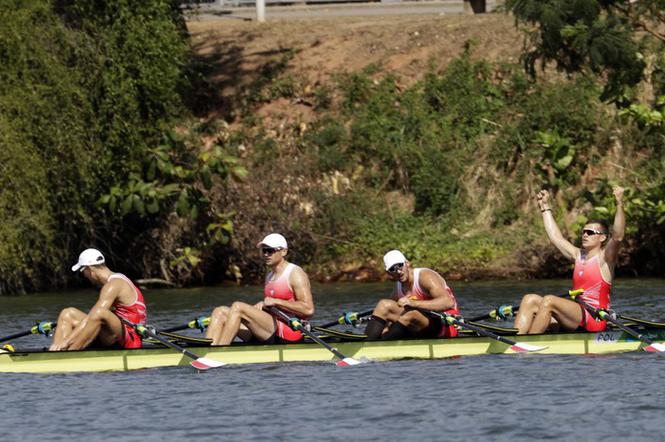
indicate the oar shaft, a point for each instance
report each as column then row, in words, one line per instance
column 481, row 331
column 605, row 316
column 145, row 331
column 201, row 323
column 42, row 327
column 342, row 319
column 16, row 335
column 285, row 318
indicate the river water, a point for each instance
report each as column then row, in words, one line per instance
column 494, row 397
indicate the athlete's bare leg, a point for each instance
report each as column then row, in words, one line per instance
column 414, row 321
column 566, row 312
column 527, row 312
column 68, row 320
column 259, row 323
column 388, row 310
column 217, row 321
column 101, row 324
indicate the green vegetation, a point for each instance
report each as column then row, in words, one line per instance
column 99, row 147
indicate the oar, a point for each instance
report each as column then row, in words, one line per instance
column 504, row 311
column 451, row 320
column 197, row 362
column 296, row 324
column 43, row 328
column 349, row 318
column 201, row 323
column 604, row 315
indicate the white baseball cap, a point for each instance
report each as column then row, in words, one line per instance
column 393, row 257
column 89, row 257
column 274, row 240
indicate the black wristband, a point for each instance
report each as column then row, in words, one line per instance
column 545, row 210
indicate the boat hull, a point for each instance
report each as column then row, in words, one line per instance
column 94, row 360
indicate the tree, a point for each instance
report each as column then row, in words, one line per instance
column 618, row 39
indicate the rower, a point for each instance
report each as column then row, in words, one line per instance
column 287, row 288
column 594, row 261
column 415, row 288
column 118, row 298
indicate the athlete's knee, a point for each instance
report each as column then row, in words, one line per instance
column 220, row 312
column 237, row 308
column 531, row 300
column 383, row 307
column 548, row 302
column 67, row 314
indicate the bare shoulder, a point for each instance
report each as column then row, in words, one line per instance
column 118, row 289
column 431, row 278
column 298, row 275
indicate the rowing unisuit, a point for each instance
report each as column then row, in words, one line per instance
column 587, row 276
column 417, row 292
column 134, row 312
column 281, row 289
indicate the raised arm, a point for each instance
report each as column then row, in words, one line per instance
column 552, row 230
column 618, row 229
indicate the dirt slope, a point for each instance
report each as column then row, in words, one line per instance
column 401, row 45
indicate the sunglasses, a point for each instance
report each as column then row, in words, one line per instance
column 396, row 268
column 591, row 232
column 270, row 250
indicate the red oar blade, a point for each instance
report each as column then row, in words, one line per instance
column 346, row 362
column 655, row 348
column 524, row 348
column 206, row 364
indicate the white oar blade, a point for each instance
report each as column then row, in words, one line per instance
column 206, row 364
column 655, row 348
column 347, row 362
column 524, row 348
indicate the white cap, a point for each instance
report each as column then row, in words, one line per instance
column 393, row 257
column 89, row 257
column 274, row 240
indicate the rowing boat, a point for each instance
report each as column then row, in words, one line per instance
column 94, row 360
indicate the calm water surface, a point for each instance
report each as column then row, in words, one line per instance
column 498, row 397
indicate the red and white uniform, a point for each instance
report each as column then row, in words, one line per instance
column 280, row 288
column 447, row 331
column 587, row 276
column 134, row 312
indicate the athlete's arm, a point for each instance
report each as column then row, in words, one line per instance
column 551, row 228
column 303, row 305
column 108, row 295
column 618, row 229
column 432, row 283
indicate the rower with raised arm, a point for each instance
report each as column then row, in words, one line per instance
column 118, row 298
column 594, row 261
column 420, row 288
column 287, row 288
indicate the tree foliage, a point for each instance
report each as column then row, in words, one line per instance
column 607, row 37
column 86, row 89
